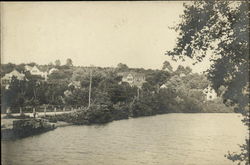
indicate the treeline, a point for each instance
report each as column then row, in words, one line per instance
column 182, row 92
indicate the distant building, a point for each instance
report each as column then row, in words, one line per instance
column 133, row 78
column 52, row 70
column 75, row 84
column 5, row 81
column 167, row 70
column 36, row 71
column 67, row 93
column 210, row 93
column 163, row 86
column 182, row 75
column 27, row 67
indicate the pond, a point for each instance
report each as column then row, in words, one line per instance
column 169, row 139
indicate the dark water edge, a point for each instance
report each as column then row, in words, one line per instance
column 84, row 120
column 25, row 128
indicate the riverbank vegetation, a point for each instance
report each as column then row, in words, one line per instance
column 162, row 91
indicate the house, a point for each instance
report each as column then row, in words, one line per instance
column 67, row 93
column 36, row 71
column 163, row 86
column 133, row 78
column 167, row 70
column 52, row 70
column 75, row 84
column 27, row 67
column 210, row 93
column 5, row 81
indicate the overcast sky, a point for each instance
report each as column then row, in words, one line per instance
column 97, row 33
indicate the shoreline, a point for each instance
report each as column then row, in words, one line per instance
column 8, row 130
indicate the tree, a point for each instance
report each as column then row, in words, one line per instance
column 183, row 70
column 180, row 69
column 196, row 81
column 50, row 64
column 188, row 70
column 25, row 93
column 167, row 66
column 147, row 87
column 14, row 96
column 7, row 68
column 78, row 97
column 32, row 64
column 122, row 67
column 79, row 74
column 69, row 62
column 220, row 27
column 57, row 62
column 60, row 75
column 115, row 91
column 157, row 78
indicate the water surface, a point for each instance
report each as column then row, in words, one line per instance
column 170, row 139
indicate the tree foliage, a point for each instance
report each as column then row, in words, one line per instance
column 57, row 62
column 167, row 65
column 122, row 67
column 69, row 62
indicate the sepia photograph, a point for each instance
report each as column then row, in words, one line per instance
column 125, row 82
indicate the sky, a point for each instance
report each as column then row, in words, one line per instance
column 91, row 33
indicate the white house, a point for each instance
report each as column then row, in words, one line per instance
column 5, row 81
column 210, row 93
column 75, row 84
column 167, row 70
column 36, row 71
column 128, row 78
column 134, row 79
column 163, row 86
column 52, row 70
column 28, row 68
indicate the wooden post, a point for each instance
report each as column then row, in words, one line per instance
column 34, row 112
column 138, row 93
column 8, row 111
column 21, row 111
column 90, row 84
column 45, row 109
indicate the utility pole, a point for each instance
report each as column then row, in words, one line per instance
column 90, row 83
column 138, row 93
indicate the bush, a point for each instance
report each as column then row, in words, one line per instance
column 121, row 111
column 142, row 108
column 100, row 113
